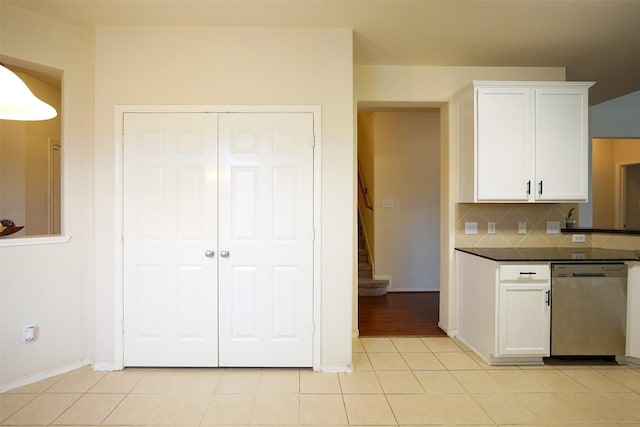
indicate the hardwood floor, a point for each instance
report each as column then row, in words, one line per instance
column 399, row 314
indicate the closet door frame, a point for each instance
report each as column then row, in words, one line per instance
column 118, row 285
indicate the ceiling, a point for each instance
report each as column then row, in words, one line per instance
column 596, row 40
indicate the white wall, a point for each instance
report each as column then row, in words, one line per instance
column 407, row 171
column 617, row 118
column 223, row 66
column 393, row 84
column 51, row 284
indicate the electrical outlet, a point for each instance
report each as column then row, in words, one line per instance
column 553, row 227
column 522, row 227
column 470, row 228
column 29, row 333
column 388, row 204
column 578, row 238
column 491, row 227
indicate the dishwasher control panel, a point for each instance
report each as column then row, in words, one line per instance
column 589, row 270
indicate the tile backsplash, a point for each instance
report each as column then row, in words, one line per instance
column 506, row 218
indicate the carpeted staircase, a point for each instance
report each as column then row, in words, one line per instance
column 367, row 286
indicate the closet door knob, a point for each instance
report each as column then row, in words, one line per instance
column 224, row 254
column 209, row 253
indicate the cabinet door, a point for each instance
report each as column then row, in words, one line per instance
column 523, row 319
column 504, row 144
column 561, row 144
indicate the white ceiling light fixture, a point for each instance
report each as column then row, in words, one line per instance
column 17, row 102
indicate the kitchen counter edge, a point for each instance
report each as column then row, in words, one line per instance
column 568, row 254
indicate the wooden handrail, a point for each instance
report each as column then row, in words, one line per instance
column 363, row 192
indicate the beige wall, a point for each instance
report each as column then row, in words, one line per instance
column 12, row 171
column 398, row 84
column 224, row 66
column 602, row 183
column 406, row 170
column 51, row 284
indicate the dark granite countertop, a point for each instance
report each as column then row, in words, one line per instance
column 553, row 254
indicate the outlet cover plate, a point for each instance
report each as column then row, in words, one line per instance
column 578, row 238
column 553, row 227
column 470, row 228
column 522, row 227
column 491, row 227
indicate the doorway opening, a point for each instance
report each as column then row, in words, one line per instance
column 615, row 167
column 399, row 218
column 630, row 196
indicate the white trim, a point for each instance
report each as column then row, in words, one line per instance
column 118, row 263
column 41, row 240
column 43, row 375
column 53, row 145
column 120, row 110
column 619, row 196
column 317, row 234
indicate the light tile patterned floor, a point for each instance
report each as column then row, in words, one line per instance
column 396, row 382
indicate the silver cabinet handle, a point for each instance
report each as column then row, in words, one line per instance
column 224, row 254
column 209, row 253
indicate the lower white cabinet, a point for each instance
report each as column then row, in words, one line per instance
column 503, row 309
column 524, row 311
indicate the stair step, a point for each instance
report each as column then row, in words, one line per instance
column 364, row 270
column 372, row 287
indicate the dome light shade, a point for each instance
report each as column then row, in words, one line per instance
column 17, row 102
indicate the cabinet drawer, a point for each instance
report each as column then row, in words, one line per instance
column 525, row 272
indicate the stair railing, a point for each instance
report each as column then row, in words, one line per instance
column 363, row 193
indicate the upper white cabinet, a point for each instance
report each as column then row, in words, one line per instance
column 523, row 142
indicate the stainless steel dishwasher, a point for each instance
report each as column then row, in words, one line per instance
column 588, row 309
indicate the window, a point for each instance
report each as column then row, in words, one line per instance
column 30, row 160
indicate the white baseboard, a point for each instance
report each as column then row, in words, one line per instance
column 105, row 367
column 449, row 332
column 393, row 289
column 633, row 360
column 43, row 375
column 335, row 369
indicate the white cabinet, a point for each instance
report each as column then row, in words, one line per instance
column 523, row 142
column 633, row 313
column 503, row 309
column 524, row 312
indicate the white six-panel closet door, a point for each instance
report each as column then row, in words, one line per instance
column 266, row 229
column 218, row 250
column 170, row 222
